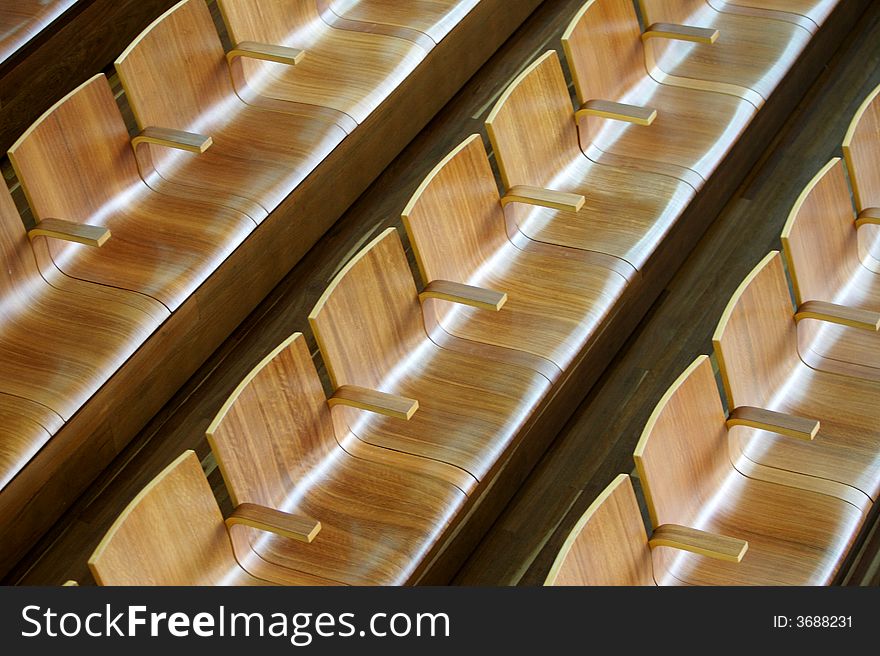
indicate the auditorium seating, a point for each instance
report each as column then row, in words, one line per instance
column 609, row 545
column 799, row 532
column 814, row 11
column 434, row 18
column 860, row 147
column 821, row 245
column 756, row 344
column 681, row 132
column 381, row 513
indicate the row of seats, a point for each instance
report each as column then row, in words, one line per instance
column 433, row 391
column 128, row 229
column 793, row 471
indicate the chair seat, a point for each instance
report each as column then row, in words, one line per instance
column 817, row 11
column 352, row 72
column 693, row 129
column 25, row 427
column 377, row 523
column 554, row 305
column 627, row 213
column 470, row 409
column 795, row 537
column 256, row 154
column 749, row 52
column 436, row 18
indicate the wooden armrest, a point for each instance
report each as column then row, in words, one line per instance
column 81, row 233
column 390, row 405
column 618, row 111
column 457, row 292
column 267, row 52
column 556, row 200
column 275, row 521
column 680, row 33
column 699, row 542
column 776, row 422
column 834, row 313
column 868, row 216
column 171, row 138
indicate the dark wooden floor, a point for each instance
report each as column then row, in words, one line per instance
column 598, row 442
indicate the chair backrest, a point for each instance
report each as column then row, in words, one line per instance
column 608, row 545
column 455, row 221
column 76, row 161
column 17, row 264
column 682, row 456
column 819, row 238
column 756, row 339
column 369, row 319
column 175, row 73
column 532, row 126
column 861, row 149
column 603, row 47
column 172, row 533
column 280, row 22
column 274, row 429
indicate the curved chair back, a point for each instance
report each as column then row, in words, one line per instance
column 861, row 149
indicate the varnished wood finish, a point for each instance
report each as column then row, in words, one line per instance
column 757, row 347
column 22, row 20
column 79, row 233
column 826, row 263
column 557, row 298
column 348, row 71
column 693, row 129
column 371, row 332
column 76, row 164
column 815, row 11
column 749, row 59
column 277, row 447
column 435, row 18
column 171, row 533
column 780, row 423
column 175, row 76
column 860, row 147
column 691, row 476
column 627, row 212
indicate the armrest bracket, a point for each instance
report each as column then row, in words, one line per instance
column 456, row 292
column 81, row 233
column 275, row 521
column 775, row 422
column 555, row 200
column 383, row 403
column 617, row 111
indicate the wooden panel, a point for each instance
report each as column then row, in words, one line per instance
column 817, row 11
column 860, row 146
column 21, row 22
column 432, row 17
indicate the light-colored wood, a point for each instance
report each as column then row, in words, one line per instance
column 434, row 18
column 539, row 197
column 706, row 35
column 751, row 53
column 79, row 233
column 691, row 475
column 175, row 75
column 277, row 447
column 348, row 71
column 266, row 52
column 720, row 547
column 868, row 216
column 681, row 132
column 371, row 332
column 839, row 314
column 163, row 247
column 171, row 533
column 617, row 111
column 533, row 133
column 814, row 11
column 383, row 403
column 756, row 343
column 457, row 292
column 775, row 422
column 557, row 296
column 170, row 138
column 860, row 147
column 295, row 527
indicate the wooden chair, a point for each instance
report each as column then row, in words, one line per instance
column 348, row 71
column 557, row 298
column 692, row 474
column 60, row 339
column 690, row 43
column 435, row 18
column 76, row 164
column 277, row 447
column 198, row 138
column 861, row 146
column 172, row 533
column 609, row 545
column 621, row 212
column 23, row 20
column 809, row 14
column 757, row 348
column 379, row 354
column 625, row 113
column 821, row 245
